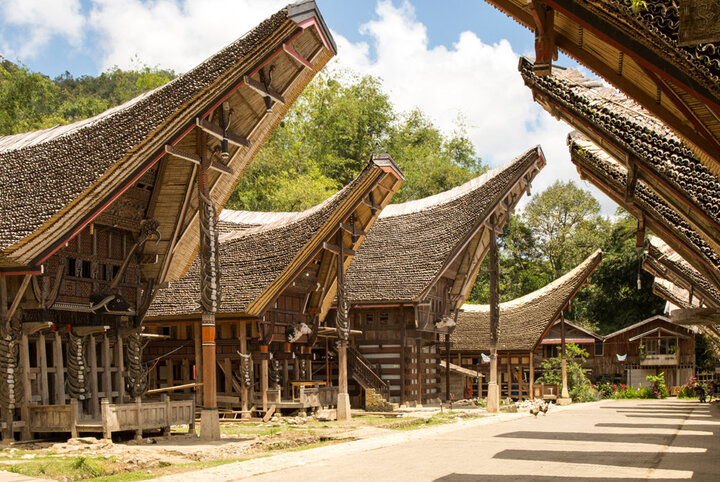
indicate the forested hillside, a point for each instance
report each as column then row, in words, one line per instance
column 330, row 133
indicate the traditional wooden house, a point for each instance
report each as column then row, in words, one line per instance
column 280, row 274
column 95, row 215
column 650, row 347
column 413, row 273
column 663, row 54
column 524, row 325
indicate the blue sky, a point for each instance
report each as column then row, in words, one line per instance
column 412, row 45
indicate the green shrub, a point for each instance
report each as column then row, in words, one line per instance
column 658, row 387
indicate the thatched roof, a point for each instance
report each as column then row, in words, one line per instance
column 611, row 177
column 55, row 181
column 523, row 321
column 635, row 138
column 260, row 253
column 412, row 242
column 665, row 264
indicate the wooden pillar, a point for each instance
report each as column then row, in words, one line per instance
column 27, row 387
column 521, row 383
column 227, row 372
column 565, row 395
column 244, row 392
column 7, row 415
column 403, row 363
column 342, row 322
column 92, row 360
column 508, row 368
column 209, row 289
column 120, row 373
column 169, row 374
column 420, row 370
column 107, row 368
column 185, row 373
column 197, row 338
column 59, row 370
column 447, row 367
column 42, row 358
column 531, row 379
column 264, row 349
column 493, row 399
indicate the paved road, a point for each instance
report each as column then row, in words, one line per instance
column 626, row 440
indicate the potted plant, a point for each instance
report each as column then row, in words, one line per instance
column 642, row 350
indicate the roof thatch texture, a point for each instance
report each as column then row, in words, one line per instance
column 604, row 113
column 523, row 321
column 257, row 248
column 52, row 179
column 664, row 263
column 608, row 174
column 411, row 242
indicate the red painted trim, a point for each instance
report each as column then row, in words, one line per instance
column 27, row 271
column 294, row 54
column 312, row 22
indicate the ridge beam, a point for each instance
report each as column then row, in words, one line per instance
column 215, row 131
column 262, row 90
column 195, row 159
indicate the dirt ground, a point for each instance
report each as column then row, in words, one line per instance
column 88, row 458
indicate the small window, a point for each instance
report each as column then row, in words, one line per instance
column 86, row 269
column 71, row 267
column 369, row 319
column 384, row 318
column 598, row 348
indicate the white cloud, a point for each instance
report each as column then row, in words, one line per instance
column 176, row 34
column 473, row 79
column 41, row 20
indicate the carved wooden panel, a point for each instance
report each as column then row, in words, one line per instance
column 699, row 22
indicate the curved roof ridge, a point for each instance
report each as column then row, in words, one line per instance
column 439, row 199
column 539, row 293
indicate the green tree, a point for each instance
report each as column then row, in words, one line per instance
column 579, row 386
column 565, row 220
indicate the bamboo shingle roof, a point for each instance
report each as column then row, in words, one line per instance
column 56, row 181
column 525, row 320
column 412, row 243
column 666, row 222
column 260, row 253
column 636, row 139
column 639, row 51
column 667, row 265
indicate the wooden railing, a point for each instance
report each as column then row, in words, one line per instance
column 359, row 369
column 115, row 417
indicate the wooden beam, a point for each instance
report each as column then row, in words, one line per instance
column 349, row 229
column 545, row 48
column 696, row 316
column 371, row 204
column 59, row 370
column 18, row 297
column 334, row 248
column 215, row 131
column 262, row 90
column 296, row 56
column 632, row 176
column 195, row 159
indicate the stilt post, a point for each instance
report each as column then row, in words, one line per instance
column 565, row 395
column 493, row 398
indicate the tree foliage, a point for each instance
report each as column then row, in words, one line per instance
column 329, row 135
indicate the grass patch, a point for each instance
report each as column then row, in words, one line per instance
column 71, row 468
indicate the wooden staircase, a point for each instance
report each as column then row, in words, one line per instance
column 360, row 369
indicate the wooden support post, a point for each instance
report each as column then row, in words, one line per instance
column 42, row 359
column 508, row 369
column 343, row 403
column 59, row 370
column 139, row 418
column 120, row 373
column 27, row 388
column 185, row 373
column 244, row 392
column 521, row 384
column 105, row 418
column 565, row 395
column 493, row 399
column 92, row 360
column 531, row 380
column 264, row 382
column 74, row 413
column 197, row 330
column 403, row 365
column 227, row 372
column 7, row 415
column 447, row 369
column 286, row 377
column 107, row 368
column 169, row 375
column 420, row 370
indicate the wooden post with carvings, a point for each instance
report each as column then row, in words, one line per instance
column 209, row 293
column 343, row 330
column 493, row 399
column 565, row 395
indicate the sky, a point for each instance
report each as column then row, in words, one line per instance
column 454, row 59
